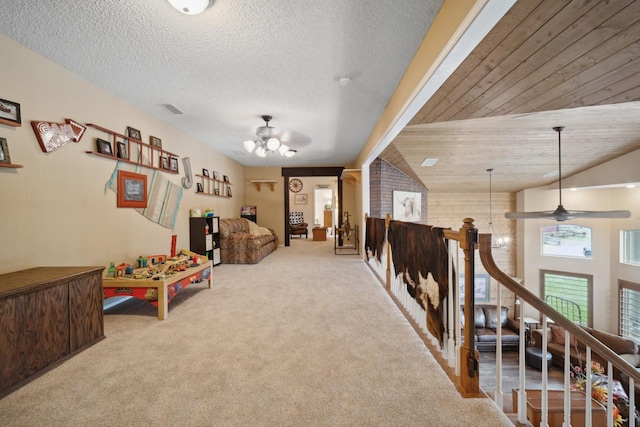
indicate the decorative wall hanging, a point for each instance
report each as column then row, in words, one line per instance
column 132, row 190
column 163, row 197
column 10, row 113
column 134, row 133
column 406, row 206
column 187, row 179
column 156, row 142
column 52, row 136
column 103, row 147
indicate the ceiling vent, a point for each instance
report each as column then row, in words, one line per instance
column 171, row 108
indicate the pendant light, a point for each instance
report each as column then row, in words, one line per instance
column 497, row 242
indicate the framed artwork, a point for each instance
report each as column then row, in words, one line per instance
column 205, row 172
column 406, row 206
column 225, row 178
column 173, row 164
column 121, row 152
column 133, row 133
column 228, row 191
column 10, row 113
column 154, row 141
column 132, row 190
column 216, row 191
column 300, row 199
column 104, row 147
column 164, row 162
column 481, row 288
column 199, row 188
column 4, row 151
column 216, row 175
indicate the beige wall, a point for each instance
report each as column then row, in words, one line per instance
column 55, row 210
column 270, row 204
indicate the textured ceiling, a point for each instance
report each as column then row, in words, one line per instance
column 236, row 61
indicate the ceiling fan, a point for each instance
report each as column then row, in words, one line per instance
column 561, row 214
column 268, row 141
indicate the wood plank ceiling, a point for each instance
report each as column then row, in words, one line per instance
column 547, row 63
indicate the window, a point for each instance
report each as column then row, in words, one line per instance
column 630, row 251
column 566, row 240
column 570, row 294
column 629, row 313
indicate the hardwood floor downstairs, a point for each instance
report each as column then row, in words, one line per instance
column 511, row 376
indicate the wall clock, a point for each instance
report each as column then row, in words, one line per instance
column 295, row 185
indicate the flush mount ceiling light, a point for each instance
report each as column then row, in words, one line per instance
column 561, row 214
column 191, row 7
column 267, row 141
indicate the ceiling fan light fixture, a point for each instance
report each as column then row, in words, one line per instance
column 273, row 144
column 249, row 145
column 290, row 153
column 261, row 152
column 191, row 7
column 283, row 149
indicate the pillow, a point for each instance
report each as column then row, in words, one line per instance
column 557, row 336
column 256, row 230
column 633, row 359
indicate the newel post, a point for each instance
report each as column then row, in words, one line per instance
column 469, row 375
column 387, row 220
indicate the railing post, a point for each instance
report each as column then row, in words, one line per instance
column 469, row 375
column 387, row 220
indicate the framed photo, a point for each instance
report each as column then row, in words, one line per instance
column 173, row 164
column 300, row 199
column 216, row 175
column 216, row 191
column 481, row 288
column 4, row 151
column 132, row 190
column 228, row 191
column 199, row 188
column 134, row 133
column 205, row 172
column 104, row 147
column 225, row 178
column 164, row 162
column 155, row 142
column 121, row 152
column 406, row 206
column 10, row 113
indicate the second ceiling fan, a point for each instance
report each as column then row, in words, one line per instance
column 560, row 213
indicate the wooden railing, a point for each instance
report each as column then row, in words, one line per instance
column 464, row 356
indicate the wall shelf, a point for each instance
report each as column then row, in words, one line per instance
column 155, row 154
column 351, row 175
column 10, row 165
column 258, row 183
column 213, row 187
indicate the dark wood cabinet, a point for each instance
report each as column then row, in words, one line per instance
column 47, row 314
column 204, row 237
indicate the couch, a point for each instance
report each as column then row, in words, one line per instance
column 244, row 242
column 486, row 325
column 626, row 348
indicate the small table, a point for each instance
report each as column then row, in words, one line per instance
column 530, row 323
column 157, row 292
column 319, row 233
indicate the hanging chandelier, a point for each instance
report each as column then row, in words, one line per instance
column 497, row 242
column 267, row 142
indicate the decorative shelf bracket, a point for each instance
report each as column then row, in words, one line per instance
column 351, row 175
column 258, row 183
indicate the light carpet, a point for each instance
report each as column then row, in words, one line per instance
column 304, row 338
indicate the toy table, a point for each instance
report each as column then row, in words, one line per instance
column 157, row 292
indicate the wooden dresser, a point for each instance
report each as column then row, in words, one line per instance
column 47, row 314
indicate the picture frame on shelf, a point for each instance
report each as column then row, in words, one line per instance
column 225, row 178
column 205, row 172
column 301, row 199
column 216, row 191
column 4, row 152
column 121, row 151
column 132, row 190
column 229, row 192
column 134, row 133
column 199, row 188
column 216, row 175
column 10, row 113
column 155, row 142
column 173, row 164
column 104, row 147
column 164, row 163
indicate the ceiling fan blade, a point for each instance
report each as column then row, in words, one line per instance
column 528, row 215
column 294, row 139
column 567, row 215
column 601, row 214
